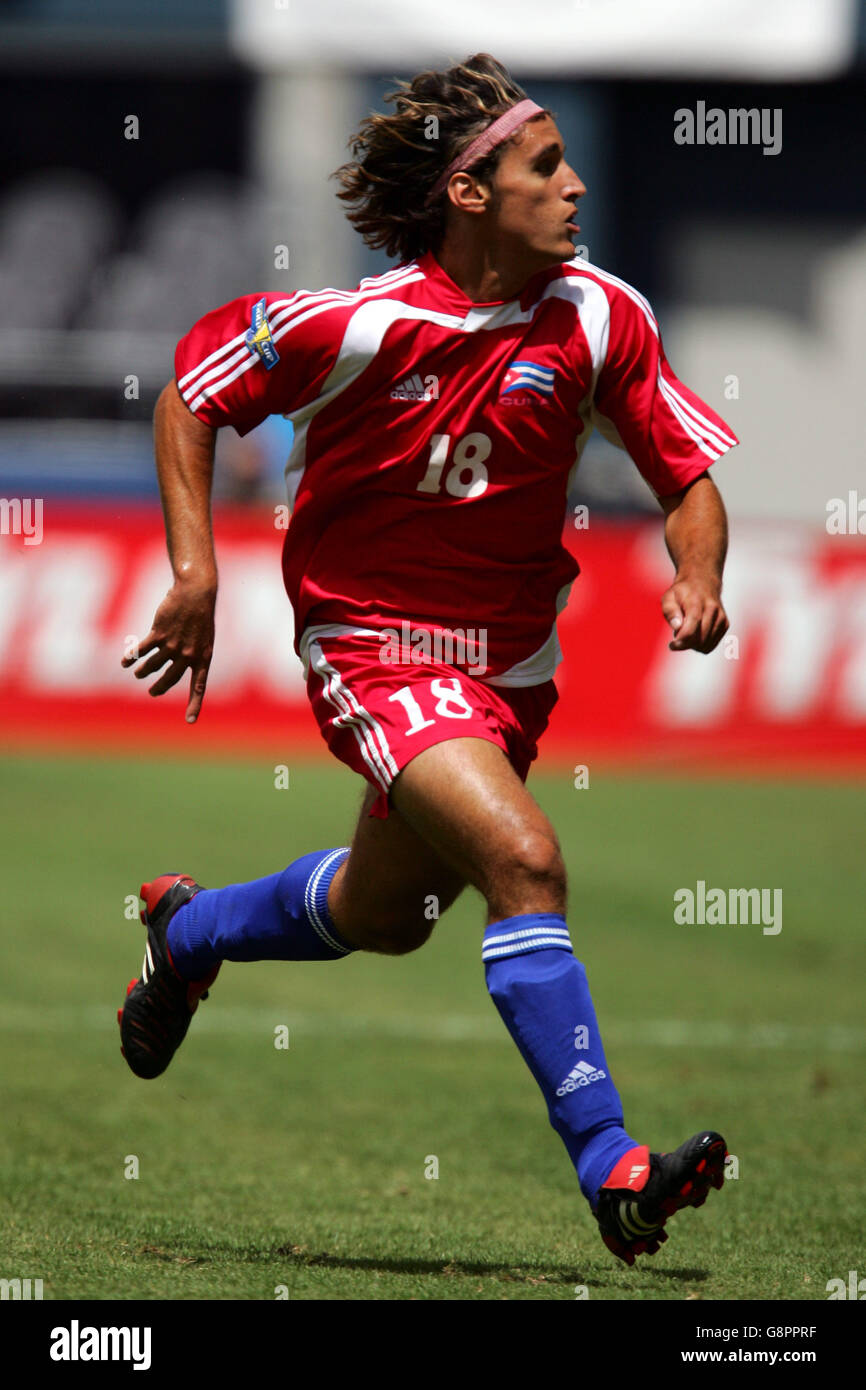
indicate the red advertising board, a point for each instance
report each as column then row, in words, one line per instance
column 787, row 688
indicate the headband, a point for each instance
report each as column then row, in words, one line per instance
column 496, row 132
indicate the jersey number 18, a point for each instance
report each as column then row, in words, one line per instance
column 467, row 476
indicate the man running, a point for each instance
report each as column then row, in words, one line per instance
column 439, row 411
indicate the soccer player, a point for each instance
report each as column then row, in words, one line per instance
column 440, row 410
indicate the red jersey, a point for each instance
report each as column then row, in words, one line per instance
column 436, row 439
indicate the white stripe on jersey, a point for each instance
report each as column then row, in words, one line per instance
column 712, row 432
column 305, row 299
column 593, row 311
column 701, row 430
column 220, row 352
column 291, row 318
column 388, row 274
column 288, row 309
column 693, row 431
column 370, row 281
column 242, row 355
column 633, row 294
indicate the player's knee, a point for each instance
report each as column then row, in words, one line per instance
column 535, row 868
column 399, row 925
column 538, row 859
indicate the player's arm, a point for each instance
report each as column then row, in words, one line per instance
column 255, row 356
column 221, row 378
column 696, row 534
column 672, row 436
column 182, row 635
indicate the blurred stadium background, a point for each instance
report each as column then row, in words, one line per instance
column 157, row 157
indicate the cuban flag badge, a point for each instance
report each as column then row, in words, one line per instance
column 528, row 376
column 258, row 337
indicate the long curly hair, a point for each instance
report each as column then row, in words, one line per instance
column 398, row 157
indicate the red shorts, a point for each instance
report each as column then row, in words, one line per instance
column 376, row 717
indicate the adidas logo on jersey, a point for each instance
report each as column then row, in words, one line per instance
column 414, row 388
column 581, row 1075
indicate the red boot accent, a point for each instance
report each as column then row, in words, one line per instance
column 631, row 1171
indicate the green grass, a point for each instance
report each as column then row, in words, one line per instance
column 304, row 1167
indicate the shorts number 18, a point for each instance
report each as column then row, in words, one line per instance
column 450, row 702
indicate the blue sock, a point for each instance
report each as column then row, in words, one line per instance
column 542, row 993
column 282, row 917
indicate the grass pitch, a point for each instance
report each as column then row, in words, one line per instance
column 267, row 1171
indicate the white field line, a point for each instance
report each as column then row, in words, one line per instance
column 239, row 1020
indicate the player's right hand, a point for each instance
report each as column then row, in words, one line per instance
column 182, row 635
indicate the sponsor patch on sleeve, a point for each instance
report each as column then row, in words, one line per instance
column 258, row 336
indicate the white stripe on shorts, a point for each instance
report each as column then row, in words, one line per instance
column 352, row 714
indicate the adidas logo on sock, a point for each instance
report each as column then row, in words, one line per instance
column 581, row 1075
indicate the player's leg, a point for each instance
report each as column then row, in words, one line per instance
column 381, row 884
column 384, row 885
column 465, row 799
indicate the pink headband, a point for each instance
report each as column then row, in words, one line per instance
column 496, row 132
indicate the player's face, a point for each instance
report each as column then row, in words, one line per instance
column 534, row 197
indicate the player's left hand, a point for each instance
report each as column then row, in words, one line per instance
column 693, row 607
